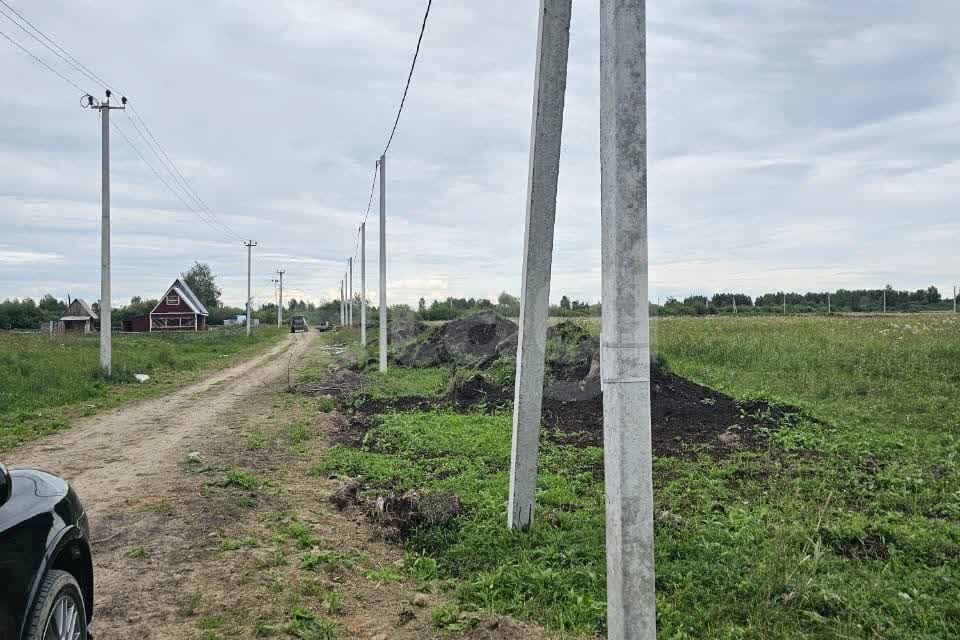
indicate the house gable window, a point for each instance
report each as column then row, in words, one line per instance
column 173, row 300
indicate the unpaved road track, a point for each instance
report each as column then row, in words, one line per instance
column 160, row 525
column 107, row 457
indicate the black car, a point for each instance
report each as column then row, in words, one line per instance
column 46, row 570
column 298, row 323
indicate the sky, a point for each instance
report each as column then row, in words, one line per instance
column 793, row 144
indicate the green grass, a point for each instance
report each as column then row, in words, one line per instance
column 430, row 382
column 47, row 380
column 847, row 529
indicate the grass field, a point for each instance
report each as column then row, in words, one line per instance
column 45, row 380
column 846, row 526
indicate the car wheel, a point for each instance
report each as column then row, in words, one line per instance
column 58, row 613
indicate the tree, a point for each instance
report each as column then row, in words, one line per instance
column 507, row 305
column 565, row 303
column 202, row 280
column 422, row 306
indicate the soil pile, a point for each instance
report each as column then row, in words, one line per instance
column 467, row 341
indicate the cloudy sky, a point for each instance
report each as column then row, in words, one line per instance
column 802, row 144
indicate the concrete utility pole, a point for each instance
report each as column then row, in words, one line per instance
column 954, row 298
column 106, row 320
column 342, row 315
column 828, row 303
column 550, row 83
column 280, row 305
column 734, row 304
column 383, row 262
column 350, row 293
column 363, row 283
column 346, row 314
column 884, row 300
column 784, row 303
column 625, row 324
column 249, row 244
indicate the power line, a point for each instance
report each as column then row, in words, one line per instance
column 205, row 213
column 42, row 62
column 56, row 49
column 177, row 177
column 160, row 177
column 182, row 180
column 413, row 64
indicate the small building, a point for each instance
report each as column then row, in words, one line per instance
column 78, row 317
column 179, row 309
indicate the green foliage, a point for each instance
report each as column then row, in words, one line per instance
column 307, row 626
column 138, row 553
column 42, row 377
column 397, row 382
column 202, row 281
column 240, row 479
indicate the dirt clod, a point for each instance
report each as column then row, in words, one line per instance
column 346, row 496
column 407, row 511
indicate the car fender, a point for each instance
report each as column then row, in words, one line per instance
column 59, row 542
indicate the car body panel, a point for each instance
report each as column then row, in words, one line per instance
column 42, row 518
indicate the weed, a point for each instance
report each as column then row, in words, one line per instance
column 230, row 544
column 384, row 574
column 138, row 552
column 302, row 535
column 446, row 617
column 328, row 560
column 210, row 622
column 333, row 603
column 256, row 440
column 297, row 433
column 306, row 625
column 240, row 479
column 325, row 404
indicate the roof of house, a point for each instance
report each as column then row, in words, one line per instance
column 188, row 296
column 77, row 307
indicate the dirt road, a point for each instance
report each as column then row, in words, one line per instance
column 106, row 457
column 237, row 540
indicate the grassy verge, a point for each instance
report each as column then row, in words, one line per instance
column 846, row 529
column 47, row 380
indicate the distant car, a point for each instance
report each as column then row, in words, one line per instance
column 298, row 323
column 46, row 590
column 324, row 326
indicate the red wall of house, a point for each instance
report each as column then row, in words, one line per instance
column 163, row 307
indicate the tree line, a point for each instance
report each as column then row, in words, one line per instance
column 30, row 314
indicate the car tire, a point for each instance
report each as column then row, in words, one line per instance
column 59, row 602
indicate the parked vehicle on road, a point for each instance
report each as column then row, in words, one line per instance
column 298, row 323
column 46, row 590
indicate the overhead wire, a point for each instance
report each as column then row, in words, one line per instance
column 203, row 211
column 413, row 65
column 42, row 62
column 396, row 121
column 52, row 46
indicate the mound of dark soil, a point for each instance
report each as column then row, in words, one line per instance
column 466, row 341
column 403, row 330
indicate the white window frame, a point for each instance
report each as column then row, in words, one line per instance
column 173, row 300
